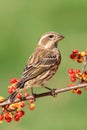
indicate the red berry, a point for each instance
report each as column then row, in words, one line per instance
column 6, row 115
column 18, row 96
column 31, row 100
column 72, row 56
column 77, row 71
column 10, row 90
column 14, row 87
column 16, row 118
column 13, row 80
column 73, row 75
column 20, row 113
column 85, row 72
column 79, row 92
column 26, row 94
column 73, row 79
column 70, row 71
column 1, row 117
column 75, row 51
column 8, row 119
column 23, row 112
column 22, row 104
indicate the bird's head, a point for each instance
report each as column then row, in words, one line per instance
column 50, row 40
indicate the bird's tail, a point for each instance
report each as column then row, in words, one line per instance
column 9, row 99
column 12, row 97
column 19, row 86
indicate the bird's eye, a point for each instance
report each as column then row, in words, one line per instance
column 51, row 36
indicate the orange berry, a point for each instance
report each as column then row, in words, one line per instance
column 85, row 88
column 74, row 90
column 86, row 53
column 32, row 106
column 1, row 99
column 83, row 53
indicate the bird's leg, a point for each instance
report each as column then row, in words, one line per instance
column 33, row 94
column 84, row 64
column 32, row 91
column 52, row 90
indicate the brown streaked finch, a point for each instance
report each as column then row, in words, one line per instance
column 42, row 64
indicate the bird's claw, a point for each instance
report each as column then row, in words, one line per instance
column 53, row 92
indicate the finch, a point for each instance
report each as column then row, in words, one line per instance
column 41, row 65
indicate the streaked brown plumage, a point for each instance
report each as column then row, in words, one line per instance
column 42, row 64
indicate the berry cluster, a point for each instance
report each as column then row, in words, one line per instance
column 14, row 111
column 78, row 56
column 77, row 75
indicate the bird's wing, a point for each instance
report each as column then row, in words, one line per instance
column 38, row 63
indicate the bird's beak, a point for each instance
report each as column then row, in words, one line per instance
column 59, row 37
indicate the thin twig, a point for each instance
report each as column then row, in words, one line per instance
column 49, row 93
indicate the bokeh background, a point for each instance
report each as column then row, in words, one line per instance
column 22, row 22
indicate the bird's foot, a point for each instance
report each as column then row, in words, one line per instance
column 53, row 92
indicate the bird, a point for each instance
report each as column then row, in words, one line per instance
column 41, row 65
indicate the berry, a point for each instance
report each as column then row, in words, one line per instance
column 8, row 119
column 77, row 71
column 14, row 88
column 22, row 104
column 85, row 72
column 83, row 53
column 31, row 100
column 75, row 51
column 1, row 117
column 32, row 106
column 20, row 113
column 73, row 75
column 74, row 90
column 16, row 118
column 26, row 94
column 85, row 88
column 79, row 92
column 70, row 71
column 1, row 99
column 10, row 90
column 13, row 80
column 18, row 96
column 73, row 79
column 72, row 56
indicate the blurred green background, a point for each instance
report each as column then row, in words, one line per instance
column 22, row 22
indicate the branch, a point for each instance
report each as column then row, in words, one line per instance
column 49, row 93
